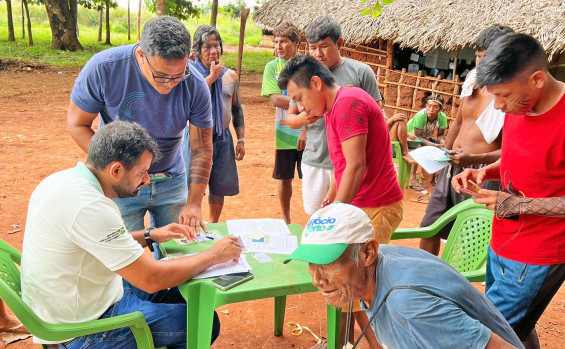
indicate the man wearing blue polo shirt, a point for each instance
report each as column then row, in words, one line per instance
column 150, row 83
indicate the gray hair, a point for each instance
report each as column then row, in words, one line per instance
column 321, row 28
column 201, row 37
column 120, row 141
column 354, row 250
column 166, row 37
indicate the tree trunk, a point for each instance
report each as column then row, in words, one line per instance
column 73, row 7
column 244, row 14
column 129, row 21
column 161, row 7
column 139, row 21
column 23, row 22
column 63, row 28
column 108, row 23
column 30, row 37
column 214, row 14
column 11, row 36
column 100, row 22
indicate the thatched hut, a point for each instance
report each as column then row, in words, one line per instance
column 411, row 36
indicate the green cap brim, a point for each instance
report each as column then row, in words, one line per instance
column 317, row 254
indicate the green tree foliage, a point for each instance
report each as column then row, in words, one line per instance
column 181, row 9
column 376, row 8
column 233, row 8
column 97, row 4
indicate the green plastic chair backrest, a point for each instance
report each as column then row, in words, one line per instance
column 9, row 259
column 467, row 245
column 10, row 293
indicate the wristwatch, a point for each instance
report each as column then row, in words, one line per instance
column 241, row 140
column 148, row 239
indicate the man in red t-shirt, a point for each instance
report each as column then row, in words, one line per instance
column 358, row 141
column 526, row 262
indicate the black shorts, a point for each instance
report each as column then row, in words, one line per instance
column 285, row 162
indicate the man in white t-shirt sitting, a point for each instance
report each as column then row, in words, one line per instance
column 80, row 263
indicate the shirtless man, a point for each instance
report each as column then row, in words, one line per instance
column 473, row 146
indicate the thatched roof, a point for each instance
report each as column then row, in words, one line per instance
column 425, row 24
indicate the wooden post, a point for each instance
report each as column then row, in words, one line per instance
column 139, row 21
column 400, row 80
column 244, row 14
column 416, row 88
column 389, row 54
column 455, row 64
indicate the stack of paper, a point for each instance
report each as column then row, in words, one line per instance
column 263, row 235
column 432, row 159
column 229, row 267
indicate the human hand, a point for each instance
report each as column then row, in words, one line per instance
column 467, row 177
column 397, row 117
column 226, row 249
column 488, row 198
column 192, row 216
column 216, row 70
column 239, row 151
column 307, row 119
column 461, row 159
column 172, row 231
column 301, row 144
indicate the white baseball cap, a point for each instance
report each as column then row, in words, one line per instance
column 329, row 231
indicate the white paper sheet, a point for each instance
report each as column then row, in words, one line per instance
column 428, row 157
column 229, row 267
column 238, row 227
column 277, row 237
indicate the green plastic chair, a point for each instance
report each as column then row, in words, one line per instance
column 10, row 292
column 403, row 166
column 468, row 241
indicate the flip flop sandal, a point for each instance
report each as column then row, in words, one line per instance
column 418, row 188
column 423, row 199
column 19, row 328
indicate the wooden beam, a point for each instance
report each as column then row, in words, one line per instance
column 389, row 54
column 455, row 59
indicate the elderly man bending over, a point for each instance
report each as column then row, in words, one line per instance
column 413, row 299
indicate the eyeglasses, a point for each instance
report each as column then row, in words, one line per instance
column 165, row 80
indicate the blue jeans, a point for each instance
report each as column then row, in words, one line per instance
column 521, row 291
column 164, row 201
column 164, row 311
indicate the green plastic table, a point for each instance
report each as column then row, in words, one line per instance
column 272, row 279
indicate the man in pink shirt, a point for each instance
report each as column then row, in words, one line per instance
column 358, row 141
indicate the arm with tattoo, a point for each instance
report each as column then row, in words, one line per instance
column 200, row 166
column 238, row 122
column 508, row 205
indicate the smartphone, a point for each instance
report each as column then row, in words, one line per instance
column 160, row 178
column 226, row 282
column 447, row 151
column 470, row 192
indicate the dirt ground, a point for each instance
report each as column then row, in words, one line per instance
column 34, row 143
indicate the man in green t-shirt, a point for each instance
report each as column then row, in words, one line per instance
column 288, row 151
column 429, row 126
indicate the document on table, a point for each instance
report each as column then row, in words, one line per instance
column 432, row 159
column 229, row 267
column 264, row 235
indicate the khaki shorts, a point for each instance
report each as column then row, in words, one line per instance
column 385, row 220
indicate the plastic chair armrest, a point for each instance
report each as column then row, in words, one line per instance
column 415, row 233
